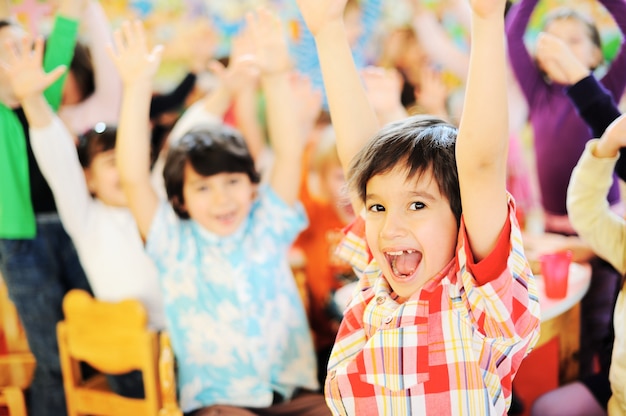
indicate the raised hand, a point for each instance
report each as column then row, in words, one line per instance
column 23, row 68
column 558, row 60
column 433, row 92
column 308, row 100
column 131, row 55
column 241, row 73
column 384, row 88
column 319, row 13
column 270, row 42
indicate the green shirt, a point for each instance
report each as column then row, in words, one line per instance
column 17, row 218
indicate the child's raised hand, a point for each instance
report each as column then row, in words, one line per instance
column 318, row 13
column 24, row 68
column 432, row 94
column 384, row 88
column 613, row 139
column 487, row 8
column 308, row 99
column 131, row 55
column 558, row 60
column 270, row 42
column 242, row 73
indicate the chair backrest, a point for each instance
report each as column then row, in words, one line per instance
column 113, row 338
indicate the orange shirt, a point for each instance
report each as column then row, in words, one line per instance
column 323, row 269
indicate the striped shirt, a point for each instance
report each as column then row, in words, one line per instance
column 452, row 348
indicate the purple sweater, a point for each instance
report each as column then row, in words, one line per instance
column 559, row 132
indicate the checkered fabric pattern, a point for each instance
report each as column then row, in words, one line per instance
column 453, row 348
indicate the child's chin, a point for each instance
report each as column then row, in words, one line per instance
column 403, row 286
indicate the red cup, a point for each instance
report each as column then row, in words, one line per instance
column 555, row 272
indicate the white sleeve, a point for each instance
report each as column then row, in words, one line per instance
column 56, row 155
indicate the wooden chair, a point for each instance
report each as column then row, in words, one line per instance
column 16, row 362
column 113, row 338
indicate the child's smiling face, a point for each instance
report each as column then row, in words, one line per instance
column 410, row 228
column 220, row 203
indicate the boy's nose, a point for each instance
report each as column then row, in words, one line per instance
column 220, row 197
column 393, row 227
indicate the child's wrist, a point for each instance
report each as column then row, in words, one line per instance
column 330, row 32
column 277, row 72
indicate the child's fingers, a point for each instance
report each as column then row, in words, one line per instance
column 38, row 50
column 118, row 41
column 138, row 35
column 54, row 75
column 156, row 53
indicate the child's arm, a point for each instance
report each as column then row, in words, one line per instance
column 481, row 148
column 284, row 131
column 104, row 104
column 437, row 42
column 587, row 206
column 53, row 145
column 354, row 119
column 246, row 99
column 60, row 46
column 523, row 64
column 137, row 66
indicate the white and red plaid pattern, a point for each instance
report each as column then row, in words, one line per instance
column 453, row 348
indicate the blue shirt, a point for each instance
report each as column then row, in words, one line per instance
column 236, row 319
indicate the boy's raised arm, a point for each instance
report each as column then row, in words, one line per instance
column 482, row 142
column 285, row 133
column 137, row 66
column 353, row 118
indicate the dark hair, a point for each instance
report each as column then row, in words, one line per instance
column 4, row 23
column 99, row 139
column 82, row 69
column 209, row 150
column 564, row 13
column 419, row 142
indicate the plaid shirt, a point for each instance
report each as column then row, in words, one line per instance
column 453, row 348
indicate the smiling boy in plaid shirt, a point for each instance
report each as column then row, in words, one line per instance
column 446, row 306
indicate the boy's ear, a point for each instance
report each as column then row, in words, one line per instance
column 255, row 191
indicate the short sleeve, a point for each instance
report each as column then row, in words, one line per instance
column 165, row 234
column 272, row 216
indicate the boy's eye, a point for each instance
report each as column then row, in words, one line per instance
column 417, row 206
column 376, row 208
column 233, row 181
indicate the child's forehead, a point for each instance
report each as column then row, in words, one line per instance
column 401, row 173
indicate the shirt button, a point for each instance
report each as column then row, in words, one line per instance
column 388, row 319
column 380, row 300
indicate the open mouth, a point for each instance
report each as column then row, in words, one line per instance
column 403, row 263
column 226, row 218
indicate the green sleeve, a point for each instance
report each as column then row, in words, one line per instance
column 59, row 51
